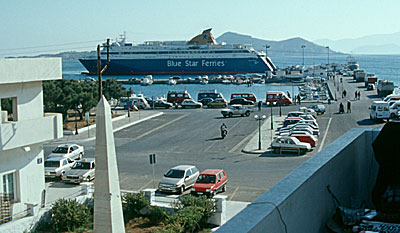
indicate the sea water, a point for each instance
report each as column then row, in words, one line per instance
column 384, row 66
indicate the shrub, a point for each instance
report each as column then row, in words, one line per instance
column 207, row 204
column 66, row 215
column 157, row 215
column 188, row 218
column 132, row 203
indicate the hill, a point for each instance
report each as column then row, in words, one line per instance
column 289, row 47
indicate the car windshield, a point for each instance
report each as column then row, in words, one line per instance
column 175, row 173
column 62, row 150
column 51, row 163
column 81, row 165
column 205, row 179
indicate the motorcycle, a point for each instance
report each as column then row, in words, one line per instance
column 224, row 132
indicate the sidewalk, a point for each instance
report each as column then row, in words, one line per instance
column 266, row 136
column 121, row 122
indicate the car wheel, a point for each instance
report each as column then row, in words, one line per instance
column 230, row 114
column 247, row 113
column 276, row 151
column 224, row 106
column 225, row 116
column 181, row 189
column 302, row 151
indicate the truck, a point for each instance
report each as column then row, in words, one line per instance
column 370, row 79
column 359, row 75
column 385, row 87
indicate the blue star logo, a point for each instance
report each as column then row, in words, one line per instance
column 204, row 36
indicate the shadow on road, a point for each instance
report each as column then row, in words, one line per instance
column 373, row 96
column 62, row 185
column 367, row 122
column 214, row 139
column 283, row 155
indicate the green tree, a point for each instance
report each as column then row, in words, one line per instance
column 113, row 89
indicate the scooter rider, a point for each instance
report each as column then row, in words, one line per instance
column 224, row 128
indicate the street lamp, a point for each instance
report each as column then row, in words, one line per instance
column 272, row 117
column 259, row 119
column 266, row 50
column 303, row 46
column 328, row 53
column 280, row 105
column 76, row 123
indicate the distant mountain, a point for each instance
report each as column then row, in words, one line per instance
column 289, row 47
column 71, row 55
column 372, row 44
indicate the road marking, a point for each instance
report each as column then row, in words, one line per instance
column 159, row 127
column 326, row 132
column 144, row 186
column 233, row 194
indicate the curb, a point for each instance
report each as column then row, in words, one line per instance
column 84, row 129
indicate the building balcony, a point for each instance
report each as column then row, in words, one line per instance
column 23, row 133
column 301, row 201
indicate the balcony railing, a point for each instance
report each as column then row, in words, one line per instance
column 22, row 133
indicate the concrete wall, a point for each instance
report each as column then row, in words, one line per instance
column 22, row 70
column 347, row 166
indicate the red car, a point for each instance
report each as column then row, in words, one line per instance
column 210, row 182
column 310, row 139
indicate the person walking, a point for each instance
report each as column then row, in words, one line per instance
column 348, row 106
column 298, row 99
column 359, row 95
column 355, row 95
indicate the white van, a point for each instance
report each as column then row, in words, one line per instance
column 379, row 110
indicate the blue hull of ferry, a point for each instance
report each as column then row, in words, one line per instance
column 179, row 66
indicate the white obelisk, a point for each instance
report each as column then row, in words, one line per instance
column 108, row 216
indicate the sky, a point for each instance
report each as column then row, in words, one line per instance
column 42, row 26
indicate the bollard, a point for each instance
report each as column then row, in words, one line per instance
column 87, row 188
column 150, row 195
column 219, row 216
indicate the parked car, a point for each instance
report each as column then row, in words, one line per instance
column 290, row 131
column 56, row 166
column 379, row 110
column 219, row 102
column 308, row 111
column 294, row 114
column 290, row 144
column 318, row 108
column 205, row 101
column 81, row 171
column 291, row 120
column 310, row 139
column 277, row 98
column 241, row 101
column 177, row 96
column 247, row 96
column 179, row 178
column 210, row 182
column 190, row 103
column 394, row 109
column 293, row 127
column 236, row 110
column 162, row 104
column 72, row 151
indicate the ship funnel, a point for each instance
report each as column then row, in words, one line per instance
column 204, row 38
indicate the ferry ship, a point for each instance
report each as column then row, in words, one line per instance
column 201, row 55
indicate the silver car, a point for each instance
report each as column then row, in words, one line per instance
column 57, row 166
column 179, row 178
column 82, row 171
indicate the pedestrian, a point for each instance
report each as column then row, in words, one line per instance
column 344, row 93
column 348, row 106
column 355, row 95
column 259, row 105
column 359, row 95
column 298, row 99
column 294, row 99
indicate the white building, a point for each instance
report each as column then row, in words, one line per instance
column 24, row 129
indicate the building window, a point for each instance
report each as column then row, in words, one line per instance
column 10, row 185
column 8, row 109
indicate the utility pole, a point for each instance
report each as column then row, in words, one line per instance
column 99, row 70
column 303, row 46
column 328, row 53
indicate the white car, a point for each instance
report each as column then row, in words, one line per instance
column 308, row 111
column 290, row 131
column 82, row 171
column 285, row 143
column 299, row 127
column 179, row 178
column 190, row 103
column 71, row 151
column 55, row 167
column 236, row 110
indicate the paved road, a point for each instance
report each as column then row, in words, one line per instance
column 192, row 137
